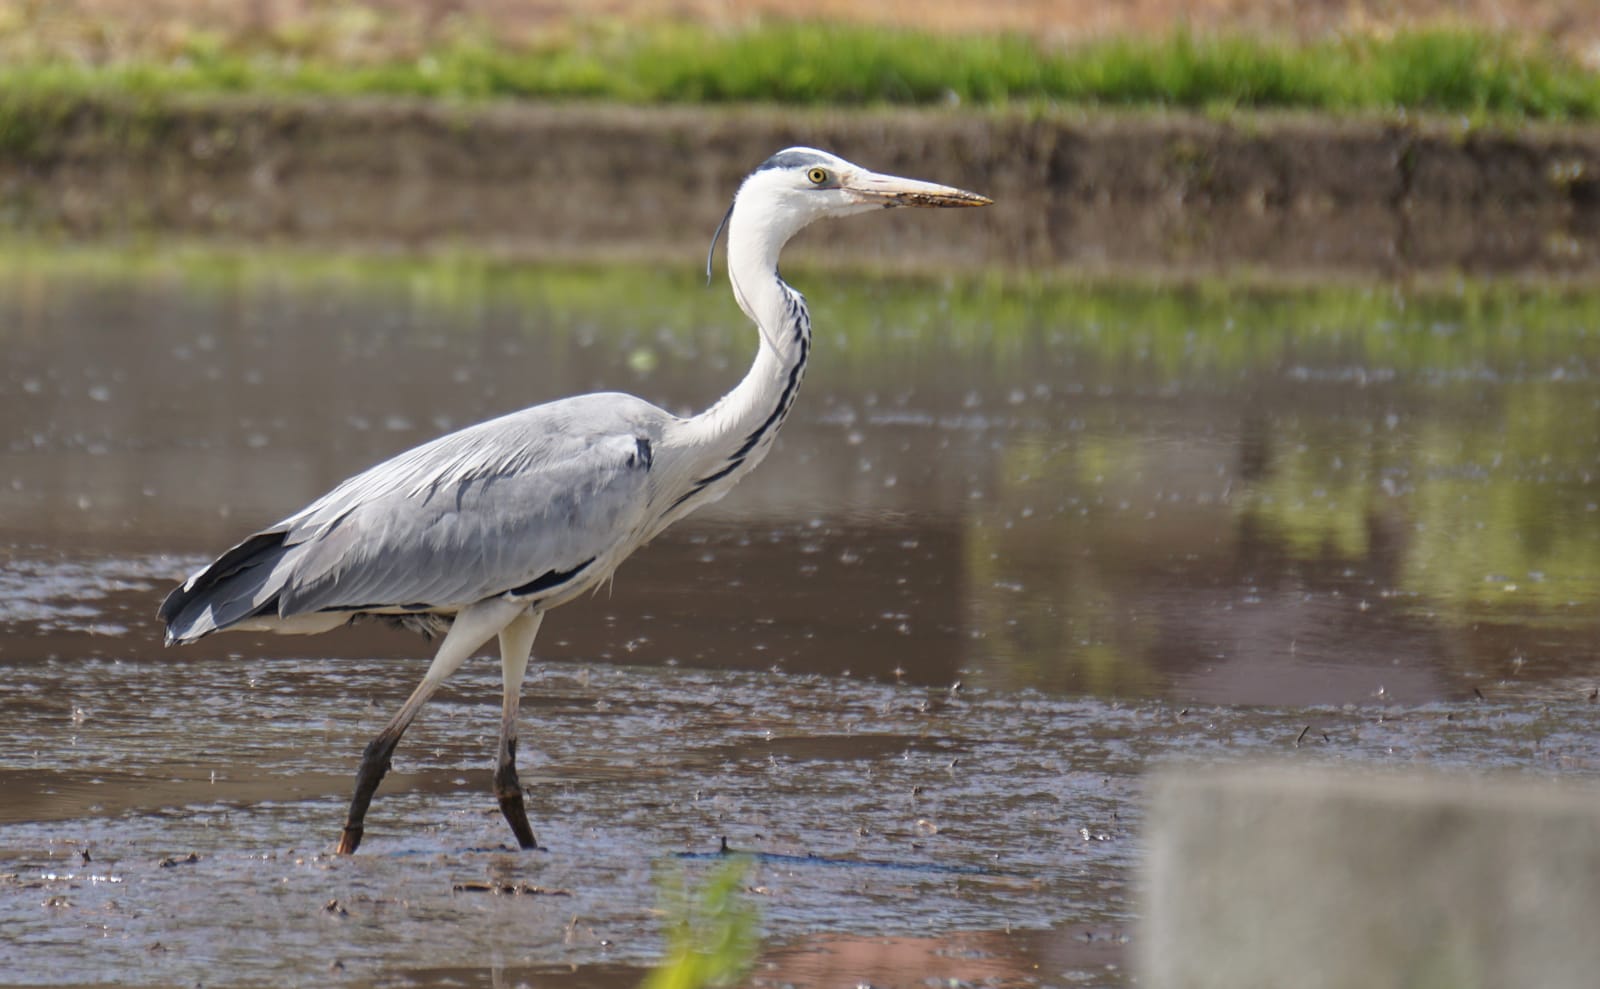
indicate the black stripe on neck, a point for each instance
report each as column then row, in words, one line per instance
column 800, row 319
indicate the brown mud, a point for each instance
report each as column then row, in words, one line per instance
column 1155, row 191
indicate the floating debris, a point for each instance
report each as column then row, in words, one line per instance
column 506, row 889
column 169, row 863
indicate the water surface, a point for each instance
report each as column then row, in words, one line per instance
column 1019, row 541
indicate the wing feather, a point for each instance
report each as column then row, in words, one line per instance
column 502, row 505
column 472, row 515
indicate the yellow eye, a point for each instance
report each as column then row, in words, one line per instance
column 817, row 176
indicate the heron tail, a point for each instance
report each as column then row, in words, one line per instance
column 238, row 585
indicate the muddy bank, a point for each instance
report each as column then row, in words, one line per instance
column 1165, row 191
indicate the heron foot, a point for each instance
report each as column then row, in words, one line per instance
column 509, row 792
column 516, row 815
column 374, row 764
column 350, row 840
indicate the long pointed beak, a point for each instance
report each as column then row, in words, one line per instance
column 892, row 190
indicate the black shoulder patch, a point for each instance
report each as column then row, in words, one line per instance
column 793, row 159
column 643, row 456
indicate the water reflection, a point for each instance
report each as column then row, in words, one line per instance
column 1323, row 496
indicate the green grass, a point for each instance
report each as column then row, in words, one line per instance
column 712, row 930
column 1440, row 71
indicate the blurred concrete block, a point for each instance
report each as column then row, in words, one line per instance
column 1289, row 876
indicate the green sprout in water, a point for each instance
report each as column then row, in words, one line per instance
column 712, row 932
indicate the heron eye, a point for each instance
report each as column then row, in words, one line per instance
column 817, row 176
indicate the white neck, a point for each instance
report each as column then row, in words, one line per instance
column 730, row 438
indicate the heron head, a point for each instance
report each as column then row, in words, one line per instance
column 812, row 184
column 798, row 186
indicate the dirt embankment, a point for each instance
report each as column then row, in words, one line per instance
column 1164, row 191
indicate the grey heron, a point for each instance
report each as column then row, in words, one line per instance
column 478, row 533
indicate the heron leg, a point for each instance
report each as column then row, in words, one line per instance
column 472, row 628
column 516, row 646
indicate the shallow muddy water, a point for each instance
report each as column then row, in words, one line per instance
column 1018, row 543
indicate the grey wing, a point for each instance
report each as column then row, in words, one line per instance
column 522, row 503
column 473, row 523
